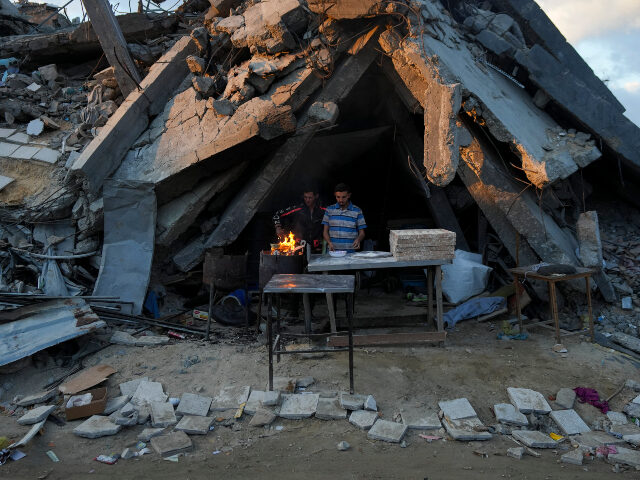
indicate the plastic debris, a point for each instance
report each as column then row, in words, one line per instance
column 172, row 458
column 108, row 459
column 54, row 458
column 556, row 437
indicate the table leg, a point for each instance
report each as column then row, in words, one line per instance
column 307, row 313
column 332, row 312
column 430, row 292
column 350, row 306
column 211, row 296
column 554, row 309
column 259, row 319
column 518, row 311
column 586, row 279
column 269, row 341
column 278, row 314
column 439, row 310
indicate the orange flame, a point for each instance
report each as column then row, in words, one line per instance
column 286, row 246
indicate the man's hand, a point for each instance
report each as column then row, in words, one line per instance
column 356, row 244
column 331, row 247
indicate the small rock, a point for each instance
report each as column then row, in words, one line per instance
column 343, row 446
column 262, row 417
column 565, row 398
column 515, row 452
column 363, row 419
column 305, row 382
column 370, row 404
column 575, row 457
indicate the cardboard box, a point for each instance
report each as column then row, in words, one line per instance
column 95, row 407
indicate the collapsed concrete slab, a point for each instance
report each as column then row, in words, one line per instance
column 588, row 233
column 347, row 9
column 105, row 152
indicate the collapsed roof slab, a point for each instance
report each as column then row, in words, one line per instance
column 105, row 152
column 488, row 96
column 189, row 133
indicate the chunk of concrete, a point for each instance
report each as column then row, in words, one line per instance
column 262, row 417
column 590, row 441
column 123, row 338
column 528, row 401
column 40, row 397
column 167, row 445
column 457, row 409
column 515, row 452
column 632, row 439
column 346, row 9
column 370, row 404
column 36, row 415
column 191, row 404
column 569, row 422
column 507, row 414
column 97, row 426
column 162, row 414
column 305, row 382
column 352, row 402
column 534, row 439
column 6, row 149
column 6, row 132
column 574, row 458
column 270, row 399
column 254, row 402
column 622, row 430
column 126, row 421
column 625, row 456
column 148, row 433
column 297, row 407
column 566, row 397
column 129, row 388
column 116, row 403
column 147, row 393
column 19, row 138
column 421, row 420
column 466, row 429
column 330, row 409
column 363, row 419
column 324, row 112
column 25, row 152
column 194, row 424
column 47, row 155
column 387, row 431
column 617, row 418
column 230, row 397
column 35, row 127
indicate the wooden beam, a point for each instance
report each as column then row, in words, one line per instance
column 388, row 339
column 113, row 44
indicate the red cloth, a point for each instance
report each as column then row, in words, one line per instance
column 591, row 396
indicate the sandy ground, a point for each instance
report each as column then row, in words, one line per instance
column 473, row 364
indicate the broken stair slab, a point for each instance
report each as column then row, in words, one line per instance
column 192, row 404
column 534, row 439
column 509, row 415
column 36, row 415
column 416, row 419
column 297, row 407
column 457, row 409
column 387, row 431
column 569, row 422
column 330, row 409
column 194, row 424
column 230, row 398
column 171, row 444
column 466, row 429
column 528, row 401
column 97, row 426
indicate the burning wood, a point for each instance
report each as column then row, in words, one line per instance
column 288, row 246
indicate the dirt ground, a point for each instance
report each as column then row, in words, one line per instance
column 472, row 364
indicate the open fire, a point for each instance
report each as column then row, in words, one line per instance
column 290, row 245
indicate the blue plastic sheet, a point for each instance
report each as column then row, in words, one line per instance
column 473, row 308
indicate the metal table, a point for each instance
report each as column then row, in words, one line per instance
column 327, row 263
column 528, row 273
column 307, row 284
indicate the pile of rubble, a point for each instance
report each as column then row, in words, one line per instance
column 167, row 423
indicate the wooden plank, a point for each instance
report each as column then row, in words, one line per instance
column 389, row 339
column 113, row 44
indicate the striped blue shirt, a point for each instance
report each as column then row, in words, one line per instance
column 344, row 225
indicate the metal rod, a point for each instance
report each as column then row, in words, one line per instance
column 350, row 321
column 55, row 257
column 269, row 340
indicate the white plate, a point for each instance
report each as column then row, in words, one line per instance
column 337, row 253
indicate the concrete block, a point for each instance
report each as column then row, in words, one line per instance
column 262, row 417
column 270, row 399
column 25, row 152
column 230, row 397
column 625, row 456
column 305, row 382
column 6, row 132
column 148, row 392
column 528, row 401
column 363, row 419
column 466, row 429
column 387, row 431
column 254, row 402
column 569, row 422
column 352, row 402
column 6, row 149
column 515, row 452
column 622, row 430
column 97, row 426
column 148, row 433
column 126, row 421
column 162, row 414
column 40, row 397
column 566, row 397
column 574, row 458
column 421, row 420
column 297, row 407
column 588, row 233
column 457, row 409
column 144, row 414
column 116, row 403
column 534, row 439
column 594, row 439
column 167, row 445
column 194, row 424
column 617, row 418
column 632, row 439
column 19, row 138
column 330, row 409
column 36, row 415
column 507, row 413
column 191, row 404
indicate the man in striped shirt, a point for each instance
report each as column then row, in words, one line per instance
column 343, row 222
